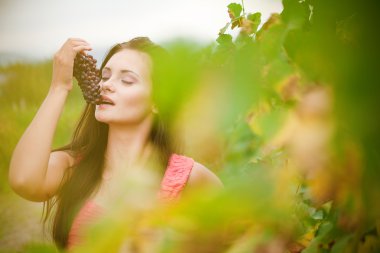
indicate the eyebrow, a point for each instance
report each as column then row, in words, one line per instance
column 124, row 71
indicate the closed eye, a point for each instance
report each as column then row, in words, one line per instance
column 127, row 82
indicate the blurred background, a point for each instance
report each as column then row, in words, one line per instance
column 279, row 98
column 35, row 30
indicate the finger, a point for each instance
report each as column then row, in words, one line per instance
column 82, row 48
column 80, row 43
column 77, row 39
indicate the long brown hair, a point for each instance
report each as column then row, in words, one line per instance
column 89, row 143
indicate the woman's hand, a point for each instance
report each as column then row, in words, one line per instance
column 63, row 63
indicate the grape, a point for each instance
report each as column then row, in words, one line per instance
column 88, row 77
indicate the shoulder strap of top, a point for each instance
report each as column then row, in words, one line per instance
column 176, row 176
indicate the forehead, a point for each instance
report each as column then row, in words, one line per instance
column 138, row 62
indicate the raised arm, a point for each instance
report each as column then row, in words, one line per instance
column 35, row 172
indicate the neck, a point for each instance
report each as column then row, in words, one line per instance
column 128, row 145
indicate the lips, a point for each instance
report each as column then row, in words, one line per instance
column 106, row 100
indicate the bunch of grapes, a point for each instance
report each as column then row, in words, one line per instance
column 88, row 77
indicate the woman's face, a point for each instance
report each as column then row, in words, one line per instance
column 127, row 82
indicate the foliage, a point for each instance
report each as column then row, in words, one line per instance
column 284, row 113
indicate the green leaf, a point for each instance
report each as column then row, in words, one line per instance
column 234, row 9
column 324, row 230
column 295, row 13
column 341, row 244
column 318, row 215
column 237, row 23
column 256, row 20
column 224, row 39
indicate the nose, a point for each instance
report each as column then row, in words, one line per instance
column 106, row 86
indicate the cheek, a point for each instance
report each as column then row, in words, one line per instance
column 136, row 100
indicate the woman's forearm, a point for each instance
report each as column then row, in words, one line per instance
column 30, row 157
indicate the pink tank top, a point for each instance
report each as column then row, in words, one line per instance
column 173, row 182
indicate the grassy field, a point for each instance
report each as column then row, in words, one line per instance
column 22, row 90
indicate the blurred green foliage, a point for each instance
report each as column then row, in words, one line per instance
column 293, row 105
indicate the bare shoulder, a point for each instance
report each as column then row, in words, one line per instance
column 63, row 156
column 201, row 176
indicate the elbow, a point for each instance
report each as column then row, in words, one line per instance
column 16, row 183
column 16, row 179
column 25, row 189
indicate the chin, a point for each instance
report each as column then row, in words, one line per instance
column 130, row 119
column 101, row 118
column 108, row 120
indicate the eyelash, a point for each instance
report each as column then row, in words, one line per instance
column 105, row 78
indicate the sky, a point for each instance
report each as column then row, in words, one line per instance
column 36, row 29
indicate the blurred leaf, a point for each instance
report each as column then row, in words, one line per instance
column 255, row 19
column 296, row 13
column 234, row 10
column 224, row 39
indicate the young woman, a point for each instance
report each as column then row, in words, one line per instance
column 109, row 140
